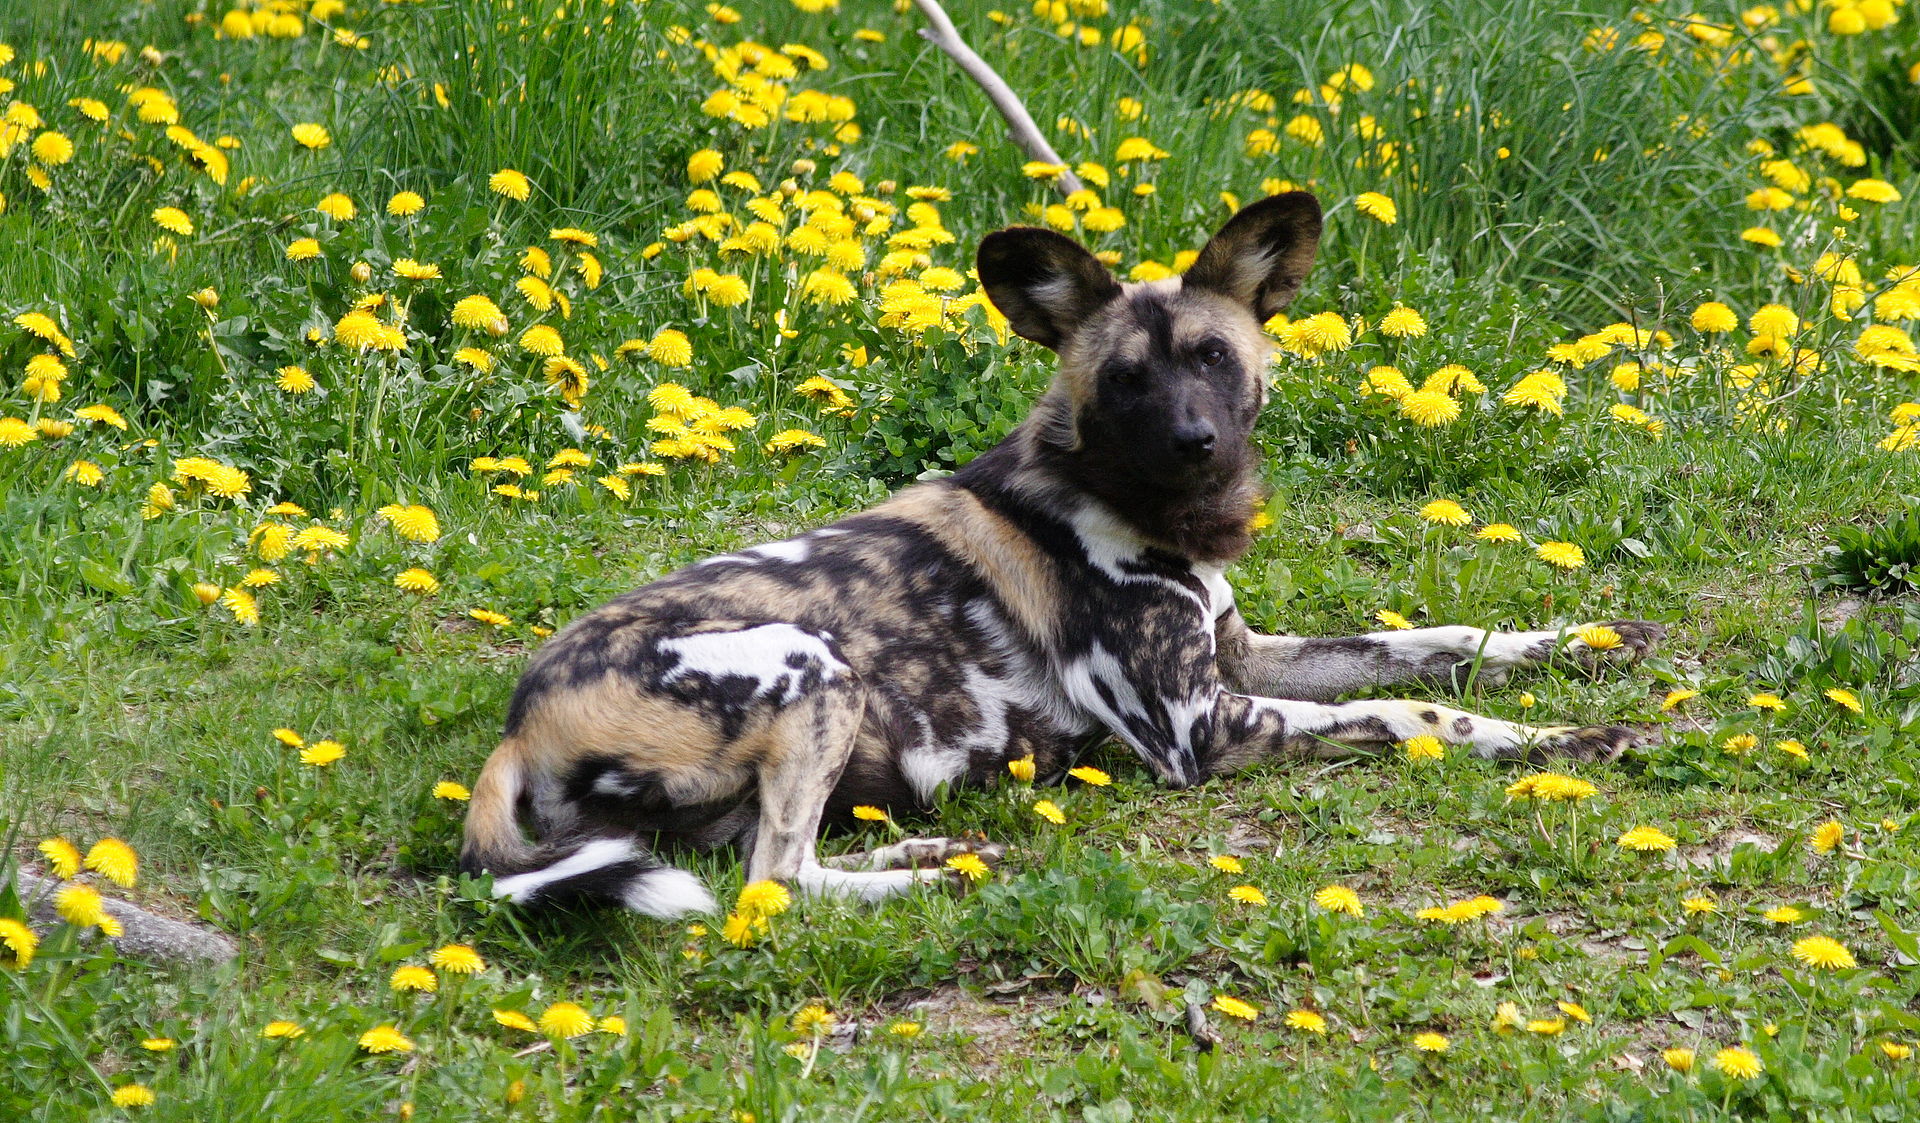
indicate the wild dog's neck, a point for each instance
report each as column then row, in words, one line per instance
column 1036, row 466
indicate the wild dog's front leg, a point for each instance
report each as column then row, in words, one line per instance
column 1323, row 669
column 1248, row 730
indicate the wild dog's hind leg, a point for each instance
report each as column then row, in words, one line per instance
column 809, row 743
column 1323, row 669
column 1255, row 728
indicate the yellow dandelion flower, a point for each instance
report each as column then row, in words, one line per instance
column 1827, row 837
column 20, row 942
column 1564, row 555
column 1087, row 774
column 1247, row 895
column 1738, row 1063
column 869, row 814
column 339, row 207
column 1429, row 408
column 762, row 899
column 308, row 134
column 173, row 220
column 1823, row 952
column 320, row 754
column 670, row 348
column 1598, row 637
column 1402, row 322
column 1767, row 701
column 132, row 1095
column 814, row 1019
column 458, row 793
column 565, row 1019
column 1740, row 744
column 1050, row 811
column 81, row 906
column 385, row 1039
column 1307, row 1020
column 1646, row 839
column 1340, row 899
column 404, row 204
column 1431, row 1042
column 514, row 1019
column 1394, row 620
column 1235, row 1008
column 1785, row 914
column 417, row 581
column 511, row 184
column 1423, row 747
column 115, row 861
column 970, row 865
column 1377, row 206
column 414, row 978
column 63, row 858
column 1846, row 699
column 1497, row 532
column 1445, row 512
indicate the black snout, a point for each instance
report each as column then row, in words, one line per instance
column 1194, row 440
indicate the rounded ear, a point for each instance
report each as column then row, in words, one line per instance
column 1262, row 254
column 1046, row 284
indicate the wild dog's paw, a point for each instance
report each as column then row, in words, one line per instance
column 1632, row 640
column 1592, row 742
column 934, row 853
column 972, row 861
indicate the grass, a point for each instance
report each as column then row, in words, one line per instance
column 1547, row 185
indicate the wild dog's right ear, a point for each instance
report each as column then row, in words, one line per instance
column 1262, row 254
column 1046, row 284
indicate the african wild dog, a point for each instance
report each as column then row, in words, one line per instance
column 1065, row 586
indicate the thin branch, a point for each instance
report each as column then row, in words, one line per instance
column 942, row 34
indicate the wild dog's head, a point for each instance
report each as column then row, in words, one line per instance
column 1160, row 383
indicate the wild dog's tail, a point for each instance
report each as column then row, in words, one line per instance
column 603, row 866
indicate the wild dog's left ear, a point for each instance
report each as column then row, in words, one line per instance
column 1262, row 254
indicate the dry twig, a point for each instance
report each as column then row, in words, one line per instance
column 942, row 34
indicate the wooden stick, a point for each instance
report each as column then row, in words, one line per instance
column 942, row 34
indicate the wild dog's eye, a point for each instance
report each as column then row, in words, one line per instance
column 1213, row 356
column 1127, row 377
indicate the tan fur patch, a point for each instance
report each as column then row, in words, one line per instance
column 616, row 718
column 1017, row 569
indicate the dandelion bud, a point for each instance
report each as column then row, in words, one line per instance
column 362, row 272
column 497, row 326
column 803, row 166
column 789, row 187
column 885, row 187
column 207, row 298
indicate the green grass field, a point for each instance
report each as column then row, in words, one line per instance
column 349, row 348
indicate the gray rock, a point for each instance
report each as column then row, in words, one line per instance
column 148, row 935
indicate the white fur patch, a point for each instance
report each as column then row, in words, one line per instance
column 614, row 782
column 1219, row 592
column 926, row 768
column 816, row 880
column 594, row 855
column 760, row 653
column 789, row 550
column 1109, row 542
column 668, row 893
